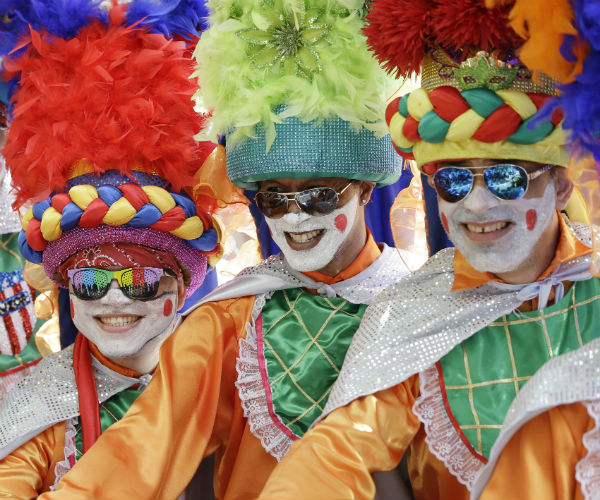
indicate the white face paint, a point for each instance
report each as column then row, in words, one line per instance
column 528, row 218
column 335, row 227
column 121, row 327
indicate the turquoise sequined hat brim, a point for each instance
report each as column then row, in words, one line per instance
column 329, row 148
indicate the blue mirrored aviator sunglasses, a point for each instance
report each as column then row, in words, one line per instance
column 505, row 181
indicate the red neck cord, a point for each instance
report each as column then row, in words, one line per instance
column 89, row 409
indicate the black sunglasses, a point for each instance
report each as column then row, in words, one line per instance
column 505, row 181
column 313, row 201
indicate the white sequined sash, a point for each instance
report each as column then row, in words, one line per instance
column 360, row 289
column 418, row 320
column 49, row 395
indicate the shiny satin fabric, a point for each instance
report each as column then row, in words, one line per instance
column 539, row 461
column 155, row 450
column 336, row 458
column 29, row 469
column 291, row 320
column 111, row 411
column 522, row 342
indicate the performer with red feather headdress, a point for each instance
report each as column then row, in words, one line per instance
column 500, row 335
column 102, row 143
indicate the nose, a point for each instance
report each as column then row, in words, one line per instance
column 293, row 207
column 115, row 295
column 479, row 200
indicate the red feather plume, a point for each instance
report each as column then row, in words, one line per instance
column 119, row 97
column 401, row 31
column 396, row 31
column 468, row 24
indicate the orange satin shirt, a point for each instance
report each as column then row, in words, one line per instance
column 29, row 470
column 189, row 412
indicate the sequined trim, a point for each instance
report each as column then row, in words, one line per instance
column 441, row 436
column 9, row 221
column 12, row 377
column 70, row 457
column 252, row 391
column 418, row 320
column 569, row 378
column 361, row 289
column 48, row 396
column 587, row 471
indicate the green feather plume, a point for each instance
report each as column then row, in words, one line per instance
column 262, row 61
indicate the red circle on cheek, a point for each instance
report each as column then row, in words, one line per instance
column 531, row 219
column 72, row 308
column 445, row 222
column 341, row 221
column 168, row 309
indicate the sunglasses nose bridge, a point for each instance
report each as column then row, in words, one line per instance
column 480, row 199
column 114, row 294
column 292, row 205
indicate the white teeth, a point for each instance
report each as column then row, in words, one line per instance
column 118, row 320
column 304, row 237
column 487, row 229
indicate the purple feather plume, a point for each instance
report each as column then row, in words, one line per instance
column 183, row 18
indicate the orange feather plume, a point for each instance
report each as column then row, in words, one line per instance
column 545, row 34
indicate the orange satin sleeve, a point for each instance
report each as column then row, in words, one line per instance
column 539, row 461
column 154, row 451
column 29, row 470
column 429, row 477
column 335, row 459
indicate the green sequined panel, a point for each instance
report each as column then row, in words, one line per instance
column 305, row 337
column 483, row 374
column 111, row 411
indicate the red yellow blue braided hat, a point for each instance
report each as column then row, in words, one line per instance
column 477, row 99
column 101, row 137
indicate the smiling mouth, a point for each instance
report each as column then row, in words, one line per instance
column 305, row 240
column 485, row 232
column 486, row 228
column 117, row 323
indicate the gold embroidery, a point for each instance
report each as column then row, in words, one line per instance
column 579, row 339
column 314, row 403
column 511, row 354
column 471, row 401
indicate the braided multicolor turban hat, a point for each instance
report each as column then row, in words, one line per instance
column 296, row 91
column 102, row 133
column 477, row 100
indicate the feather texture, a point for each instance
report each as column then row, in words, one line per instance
column 245, row 91
column 397, row 31
column 401, row 31
column 117, row 97
column 183, row 18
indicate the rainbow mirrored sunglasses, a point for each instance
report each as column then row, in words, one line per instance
column 139, row 283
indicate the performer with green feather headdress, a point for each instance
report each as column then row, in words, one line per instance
column 298, row 100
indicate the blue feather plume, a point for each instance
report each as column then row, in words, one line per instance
column 63, row 18
column 183, row 18
column 579, row 99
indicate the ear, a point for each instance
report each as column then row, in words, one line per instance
column 366, row 190
column 564, row 187
column 180, row 293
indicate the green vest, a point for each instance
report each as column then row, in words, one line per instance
column 111, row 411
column 302, row 347
column 482, row 375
